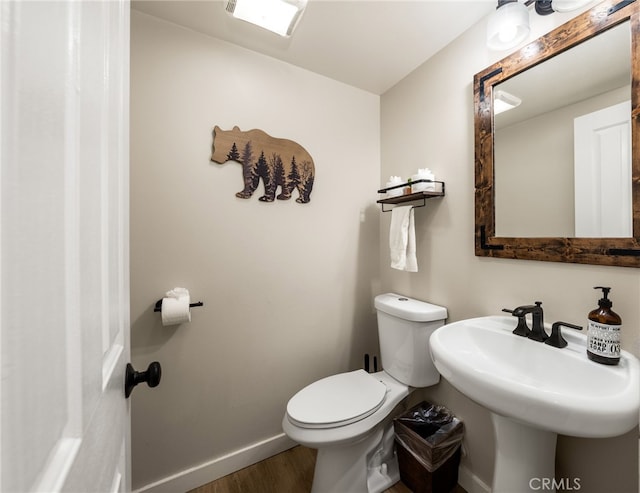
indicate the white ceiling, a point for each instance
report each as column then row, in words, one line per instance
column 370, row 44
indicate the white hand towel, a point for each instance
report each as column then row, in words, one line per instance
column 402, row 239
column 412, row 260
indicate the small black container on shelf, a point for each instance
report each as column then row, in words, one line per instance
column 428, row 439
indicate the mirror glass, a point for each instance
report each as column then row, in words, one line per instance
column 562, row 152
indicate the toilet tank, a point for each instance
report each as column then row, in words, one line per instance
column 404, row 328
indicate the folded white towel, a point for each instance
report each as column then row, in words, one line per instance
column 402, row 239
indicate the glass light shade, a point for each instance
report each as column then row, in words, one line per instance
column 278, row 16
column 568, row 5
column 508, row 26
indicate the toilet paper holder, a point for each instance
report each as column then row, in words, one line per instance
column 158, row 307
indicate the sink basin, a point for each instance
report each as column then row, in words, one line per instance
column 536, row 391
column 560, row 390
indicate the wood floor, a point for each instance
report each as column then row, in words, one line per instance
column 288, row 472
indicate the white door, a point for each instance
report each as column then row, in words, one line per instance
column 603, row 173
column 64, row 265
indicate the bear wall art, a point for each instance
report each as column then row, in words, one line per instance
column 278, row 162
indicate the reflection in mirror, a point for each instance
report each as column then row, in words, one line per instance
column 562, row 147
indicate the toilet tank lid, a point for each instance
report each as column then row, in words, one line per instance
column 408, row 308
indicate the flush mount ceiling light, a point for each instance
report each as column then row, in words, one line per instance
column 278, row 16
column 508, row 25
column 503, row 101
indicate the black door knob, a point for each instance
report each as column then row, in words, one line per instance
column 132, row 378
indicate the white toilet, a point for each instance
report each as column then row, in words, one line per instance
column 348, row 417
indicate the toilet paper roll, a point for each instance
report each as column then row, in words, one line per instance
column 175, row 311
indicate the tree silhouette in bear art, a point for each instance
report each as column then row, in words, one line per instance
column 279, row 162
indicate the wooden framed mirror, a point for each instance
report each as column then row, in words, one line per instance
column 544, row 187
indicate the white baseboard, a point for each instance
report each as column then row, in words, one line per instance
column 470, row 482
column 210, row 471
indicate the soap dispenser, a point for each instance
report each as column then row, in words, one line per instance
column 603, row 333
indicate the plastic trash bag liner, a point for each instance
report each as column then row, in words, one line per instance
column 430, row 433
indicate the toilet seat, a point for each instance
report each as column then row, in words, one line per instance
column 337, row 400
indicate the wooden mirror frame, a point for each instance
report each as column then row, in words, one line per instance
column 601, row 251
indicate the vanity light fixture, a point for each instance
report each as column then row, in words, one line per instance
column 278, row 16
column 508, row 25
column 503, row 101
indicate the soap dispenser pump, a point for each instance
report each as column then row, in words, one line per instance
column 603, row 334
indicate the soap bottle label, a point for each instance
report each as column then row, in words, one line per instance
column 604, row 339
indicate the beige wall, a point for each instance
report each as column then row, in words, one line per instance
column 287, row 288
column 427, row 120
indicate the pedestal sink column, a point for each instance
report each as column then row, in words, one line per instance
column 525, row 457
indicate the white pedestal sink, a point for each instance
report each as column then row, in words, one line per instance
column 534, row 392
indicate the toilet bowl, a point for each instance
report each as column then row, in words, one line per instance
column 349, row 417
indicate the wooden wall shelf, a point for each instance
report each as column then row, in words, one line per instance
column 411, row 197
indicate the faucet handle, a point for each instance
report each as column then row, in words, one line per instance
column 556, row 339
column 522, row 329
